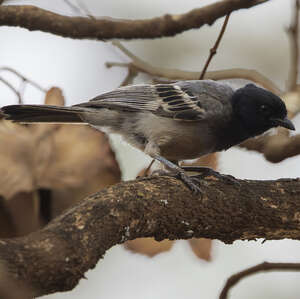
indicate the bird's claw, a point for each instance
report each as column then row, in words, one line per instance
column 206, row 171
column 189, row 182
column 181, row 175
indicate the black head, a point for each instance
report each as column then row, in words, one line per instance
column 258, row 110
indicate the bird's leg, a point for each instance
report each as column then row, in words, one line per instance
column 153, row 150
column 180, row 173
column 149, row 167
column 146, row 172
column 206, row 171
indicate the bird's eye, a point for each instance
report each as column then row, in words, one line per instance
column 264, row 109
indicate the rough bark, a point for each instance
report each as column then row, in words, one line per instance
column 34, row 18
column 56, row 257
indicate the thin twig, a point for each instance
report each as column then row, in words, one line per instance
column 213, row 50
column 175, row 74
column 34, row 84
column 85, row 9
column 80, row 8
column 10, row 86
column 263, row 267
column 293, row 32
column 73, row 7
column 132, row 73
column 22, row 88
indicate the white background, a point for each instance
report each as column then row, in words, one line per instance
column 254, row 39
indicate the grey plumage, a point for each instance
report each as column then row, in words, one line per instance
column 171, row 122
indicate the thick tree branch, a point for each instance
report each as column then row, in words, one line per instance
column 56, row 257
column 34, row 18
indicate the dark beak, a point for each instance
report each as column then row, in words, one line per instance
column 286, row 123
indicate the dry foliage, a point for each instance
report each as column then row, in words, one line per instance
column 50, row 162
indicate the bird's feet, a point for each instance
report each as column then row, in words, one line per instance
column 190, row 182
column 206, row 171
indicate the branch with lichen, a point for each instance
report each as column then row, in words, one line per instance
column 55, row 258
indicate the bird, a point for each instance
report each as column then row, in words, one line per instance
column 171, row 122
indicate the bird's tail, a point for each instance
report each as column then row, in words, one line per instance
column 42, row 114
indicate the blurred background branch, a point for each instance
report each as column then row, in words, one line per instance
column 263, row 267
column 14, row 90
column 34, row 18
column 175, row 74
column 213, row 50
column 293, row 32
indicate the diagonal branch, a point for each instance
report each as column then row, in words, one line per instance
column 213, row 50
column 175, row 74
column 56, row 257
column 34, row 18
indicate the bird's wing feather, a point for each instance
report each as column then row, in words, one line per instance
column 177, row 101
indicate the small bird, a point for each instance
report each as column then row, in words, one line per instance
column 171, row 122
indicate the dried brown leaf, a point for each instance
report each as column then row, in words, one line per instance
column 202, row 248
column 7, row 227
column 54, row 96
column 53, row 156
column 16, row 159
column 74, row 176
column 80, row 153
column 148, row 246
column 23, row 209
column 68, row 161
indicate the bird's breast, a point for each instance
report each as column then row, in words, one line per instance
column 180, row 140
